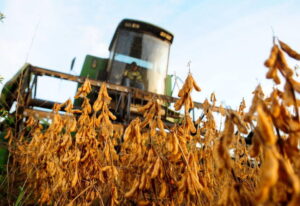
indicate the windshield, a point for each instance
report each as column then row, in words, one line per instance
column 149, row 53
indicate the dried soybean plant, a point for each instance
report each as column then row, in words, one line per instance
column 191, row 186
column 74, row 160
column 144, row 161
column 278, row 132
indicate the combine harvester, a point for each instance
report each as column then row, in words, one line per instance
column 134, row 42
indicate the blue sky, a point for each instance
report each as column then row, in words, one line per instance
column 226, row 41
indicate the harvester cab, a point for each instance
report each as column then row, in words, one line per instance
column 137, row 42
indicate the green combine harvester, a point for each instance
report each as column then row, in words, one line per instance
column 134, row 42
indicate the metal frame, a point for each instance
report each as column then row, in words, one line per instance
column 124, row 101
column 136, row 93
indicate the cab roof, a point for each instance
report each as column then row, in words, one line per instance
column 142, row 27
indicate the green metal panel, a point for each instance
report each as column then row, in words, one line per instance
column 94, row 68
column 168, row 87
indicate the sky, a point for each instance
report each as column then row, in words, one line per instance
column 225, row 41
